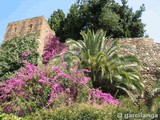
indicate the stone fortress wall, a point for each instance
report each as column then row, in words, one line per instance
column 148, row 53
column 36, row 25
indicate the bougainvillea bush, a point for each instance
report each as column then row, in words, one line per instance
column 52, row 48
column 35, row 87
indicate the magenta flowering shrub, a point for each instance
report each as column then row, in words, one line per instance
column 36, row 87
column 97, row 96
column 52, row 47
column 23, row 93
column 68, row 82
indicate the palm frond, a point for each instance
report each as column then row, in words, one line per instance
column 131, row 95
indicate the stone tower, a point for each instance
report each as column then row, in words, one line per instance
column 36, row 25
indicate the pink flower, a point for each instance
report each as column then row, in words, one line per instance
column 42, row 81
column 85, row 70
column 6, row 90
column 1, row 84
column 55, row 85
column 2, row 96
column 24, row 54
column 51, row 97
column 102, row 97
column 57, row 68
column 74, row 79
column 84, row 80
column 52, row 48
column 62, row 75
column 68, row 90
column 62, row 58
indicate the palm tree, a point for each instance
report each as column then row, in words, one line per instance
column 108, row 69
column 151, row 92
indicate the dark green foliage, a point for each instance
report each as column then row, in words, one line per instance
column 56, row 22
column 130, row 24
column 118, row 20
column 10, row 54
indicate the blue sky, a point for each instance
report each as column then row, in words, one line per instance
column 12, row 10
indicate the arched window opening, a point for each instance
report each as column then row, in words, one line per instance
column 15, row 29
column 30, row 27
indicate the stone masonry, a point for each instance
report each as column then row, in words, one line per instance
column 36, row 25
column 148, row 53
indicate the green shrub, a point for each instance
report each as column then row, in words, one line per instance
column 75, row 112
column 127, row 109
column 156, row 105
column 85, row 111
column 12, row 54
column 9, row 117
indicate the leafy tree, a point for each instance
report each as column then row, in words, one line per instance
column 109, row 70
column 118, row 20
column 56, row 21
column 130, row 24
column 72, row 24
column 14, row 51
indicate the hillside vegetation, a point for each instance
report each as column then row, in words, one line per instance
column 85, row 79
